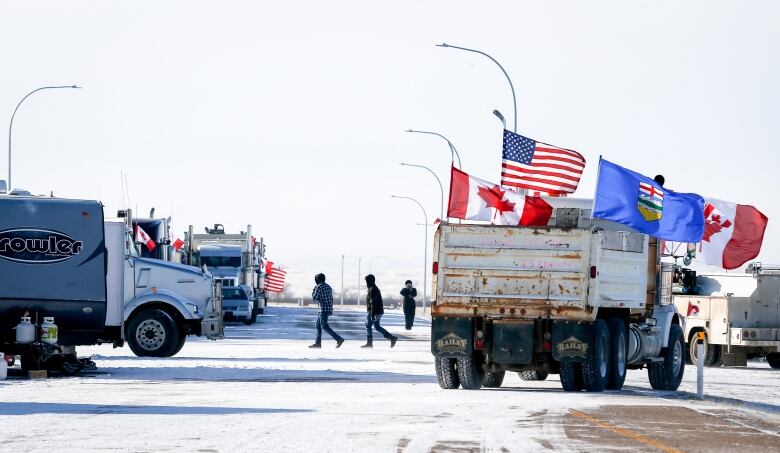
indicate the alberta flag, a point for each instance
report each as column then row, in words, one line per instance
column 635, row 200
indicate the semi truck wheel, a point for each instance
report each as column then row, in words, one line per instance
column 153, row 333
column 447, row 373
column 595, row 369
column 532, row 375
column 668, row 374
column 493, row 379
column 774, row 360
column 470, row 373
column 571, row 376
column 618, row 353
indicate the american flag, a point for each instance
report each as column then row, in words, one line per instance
column 541, row 168
column 274, row 278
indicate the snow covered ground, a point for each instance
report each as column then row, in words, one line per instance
column 263, row 389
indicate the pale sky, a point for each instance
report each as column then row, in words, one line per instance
column 290, row 115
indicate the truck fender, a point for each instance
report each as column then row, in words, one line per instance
column 161, row 296
column 664, row 316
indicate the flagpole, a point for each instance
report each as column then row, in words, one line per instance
column 598, row 173
column 514, row 98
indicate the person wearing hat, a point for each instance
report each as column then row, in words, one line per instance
column 409, row 293
column 375, row 311
column 323, row 295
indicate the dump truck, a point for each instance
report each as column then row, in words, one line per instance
column 739, row 314
column 580, row 297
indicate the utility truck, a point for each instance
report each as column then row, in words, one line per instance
column 739, row 315
column 584, row 298
column 234, row 259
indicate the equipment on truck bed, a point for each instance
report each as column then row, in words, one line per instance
column 584, row 298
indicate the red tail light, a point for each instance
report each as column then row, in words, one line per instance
column 593, row 272
column 435, row 267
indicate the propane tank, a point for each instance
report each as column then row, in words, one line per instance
column 25, row 331
column 49, row 330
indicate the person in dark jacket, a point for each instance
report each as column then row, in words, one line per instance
column 375, row 311
column 409, row 292
column 323, row 295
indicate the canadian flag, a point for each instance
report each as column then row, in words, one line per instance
column 475, row 199
column 693, row 310
column 733, row 234
column 141, row 236
column 177, row 244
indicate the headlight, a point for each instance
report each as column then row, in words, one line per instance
column 193, row 308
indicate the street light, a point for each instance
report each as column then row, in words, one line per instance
column 441, row 188
column 453, row 151
column 11, row 125
column 514, row 99
column 425, row 254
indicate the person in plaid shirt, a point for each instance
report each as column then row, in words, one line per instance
column 323, row 295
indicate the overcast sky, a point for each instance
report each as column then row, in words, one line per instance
column 290, row 115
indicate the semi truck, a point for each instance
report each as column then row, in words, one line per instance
column 739, row 315
column 583, row 298
column 234, row 259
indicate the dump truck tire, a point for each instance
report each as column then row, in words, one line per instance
column 774, row 360
column 153, row 333
column 447, row 373
column 571, row 376
column 618, row 352
column 533, row 375
column 668, row 374
column 493, row 379
column 470, row 373
column 595, row 369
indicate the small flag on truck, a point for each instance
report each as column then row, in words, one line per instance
column 142, row 237
column 177, row 244
column 274, row 278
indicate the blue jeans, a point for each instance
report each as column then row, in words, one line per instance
column 322, row 324
column 373, row 321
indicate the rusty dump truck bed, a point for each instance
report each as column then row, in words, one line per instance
column 528, row 272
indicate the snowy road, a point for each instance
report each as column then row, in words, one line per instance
column 262, row 389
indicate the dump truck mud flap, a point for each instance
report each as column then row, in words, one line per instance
column 513, row 343
column 571, row 340
column 452, row 337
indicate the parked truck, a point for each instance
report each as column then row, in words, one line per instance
column 583, row 298
column 739, row 315
column 156, row 304
column 234, row 259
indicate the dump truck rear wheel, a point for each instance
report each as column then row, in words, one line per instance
column 774, row 360
column 493, row 379
column 668, row 374
column 595, row 370
column 447, row 373
column 153, row 333
column 532, row 375
column 470, row 373
column 618, row 352
column 571, row 376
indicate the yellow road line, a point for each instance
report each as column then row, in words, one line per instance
column 624, row 432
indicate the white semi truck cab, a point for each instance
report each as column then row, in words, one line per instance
column 156, row 304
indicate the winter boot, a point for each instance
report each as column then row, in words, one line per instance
column 392, row 341
column 339, row 342
column 369, row 344
column 315, row 346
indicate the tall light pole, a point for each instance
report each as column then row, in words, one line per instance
column 11, row 125
column 453, row 151
column 342, row 279
column 425, row 254
column 514, row 99
column 441, row 188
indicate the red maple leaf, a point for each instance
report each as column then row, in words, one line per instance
column 712, row 222
column 494, row 198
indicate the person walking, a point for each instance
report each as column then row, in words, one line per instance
column 375, row 312
column 409, row 292
column 323, row 295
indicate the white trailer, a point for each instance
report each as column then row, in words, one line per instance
column 587, row 299
column 738, row 313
